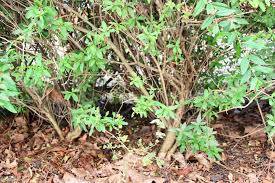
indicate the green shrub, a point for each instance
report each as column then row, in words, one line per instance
column 175, row 57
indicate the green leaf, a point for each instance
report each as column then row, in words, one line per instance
column 257, row 60
column 255, row 44
column 210, row 9
column 225, row 12
column 199, row 8
column 136, row 81
column 41, row 23
column 225, row 23
column 219, row 5
column 207, row 22
column 11, row 108
column 253, row 83
column 32, row 12
column 104, row 26
column 74, row 96
column 254, row 3
column 263, row 69
column 262, row 6
column 244, row 65
column 231, row 38
column 267, row 2
column 241, row 21
column 7, row 105
column 215, row 29
column 246, row 76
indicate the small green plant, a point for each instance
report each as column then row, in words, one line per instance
column 270, row 118
column 120, row 143
column 89, row 119
column 198, row 137
column 148, row 156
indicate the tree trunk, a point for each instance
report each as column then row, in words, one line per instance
column 169, row 143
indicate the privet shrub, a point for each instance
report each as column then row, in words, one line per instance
column 175, row 56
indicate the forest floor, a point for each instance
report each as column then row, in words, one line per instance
column 31, row 152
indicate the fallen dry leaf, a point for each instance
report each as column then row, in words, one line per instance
column 21, row 122
column 234, row 134
column 230, row 177
column 195, row 176
column 38, row 142
column 240, row 180
column 256, row 132
column 253, row 178
column 8, row 163
column 83, row 139
column 223, row 156
column 71, row 136
column 11, row 165
column 35, row 179
column 218, row 126
column 137, row 177
column 58, row 149
column 130, row 159
column 271, row 155
column 80, row 172
column 268, row 179
column 18, row 137
column 180, row 158
column 184, row 171
column 56, row 179
column 203, row 161
column 69, row 178
column 117, row 178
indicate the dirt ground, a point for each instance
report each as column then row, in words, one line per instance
column 31, row 152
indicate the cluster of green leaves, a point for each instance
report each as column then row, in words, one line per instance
column 216, row 10
column 253, row 56
column 119, row 7
column 214, row 101
column 198, row 137
column 262, row 4
column 89, row 119
column 266, row 19
column 150, row 28
column 35, row 72
column 177, row 55
column 270, row 118
column 219, row 9
column 42, row 20
column 83, row 67
column 32, row 69
column 7, row 87
column 146, row 104
column 79, row 68
column 256, row 72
